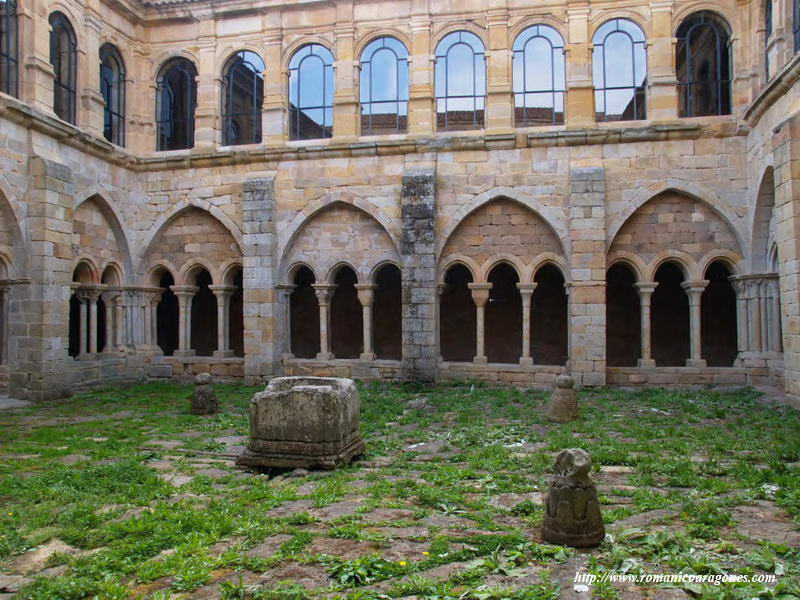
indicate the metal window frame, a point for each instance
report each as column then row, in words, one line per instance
column 60, row 24
column 295, row 110
column 229, row 78
column 523, row 55
column 398, row 101
column 9, row 52
column 441, row 61
column 188, row 73
column 635, row 89
column 111, row 63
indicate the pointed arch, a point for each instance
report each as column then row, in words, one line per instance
column 695, row 191
column 555, row 222
column 177, row 210
column 762, row 222
column 17, row 226
column 103, row 202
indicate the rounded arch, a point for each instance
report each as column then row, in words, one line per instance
column 503, row 259
column 553, row 260
column 380, row 265
column 228, row 271
column 86, row 271
column 288, row 234
column 695, row 191
column 630, row 260
column 555, row 222
column 548, row 20
column 295, row 268
column 188, row 271
column 103, row 201
column 156, row 272
column 716, row 10
column 163, row 58
column 375, row 34
column 603, row 17
column 473, row 28
column 330, row 276
column 465, row 261
column 112, row 274
column 227, row 53
column 681, row 260
column 72, row 17
column 178, row 209
column 293, row 48
column 731, row 261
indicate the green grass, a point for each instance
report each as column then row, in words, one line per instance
column 697, row 455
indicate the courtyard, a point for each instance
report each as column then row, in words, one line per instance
column 121, row 493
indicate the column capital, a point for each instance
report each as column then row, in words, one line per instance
column 285, row 291
column 646, row 288
column 480, row 293
column 324, row 291
column 526, row 288
column 184, row 291
column 90, row 293
column 365, row 293
column 223, row 290
column 695, row 287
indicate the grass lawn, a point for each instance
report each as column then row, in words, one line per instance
column 124, row 494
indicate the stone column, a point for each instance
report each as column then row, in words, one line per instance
column 763, row 297
column 92, row 103
column 526, row 291
column 324, row 292
column 345, row 102
column 421, row 110
column 480, row 296
column 119, row 309
column 223, row 294
column 499, row 99
column 645, row 296
column 441, row 288
column 185, row 294
column 742, row 338
column 155, row 299
column 83, row 322
column 586, row 285
column 206, row 130
column 418, row 259
column 4, row 293
column 754, row 315
column 284, row 291
column 580, row 90
column 109, row 298
column 264, row 334
column 94, row 296
column 694, row 289
column 366, row 293
column 775, row 324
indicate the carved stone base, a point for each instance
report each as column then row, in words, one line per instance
column 301, row 456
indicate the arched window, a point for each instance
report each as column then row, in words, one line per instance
column 460, row 82
column 539, row 73
column 9, row 43
column 767, row 34
column 112, row 86
column 796, row 24
column 619, row 65
column 176, row 99
column 703, row 66
column 311, row 93
column 63, row 57
column 242, row 99
column 384, row 87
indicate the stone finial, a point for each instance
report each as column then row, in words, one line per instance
column 563, row 401
column 572, row 512
column 204, row 400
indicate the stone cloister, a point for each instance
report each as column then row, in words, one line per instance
column 324, row 189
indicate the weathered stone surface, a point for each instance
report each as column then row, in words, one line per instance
column 204, row 399
column 572, row 513
column 307, row 422
column 564, row 401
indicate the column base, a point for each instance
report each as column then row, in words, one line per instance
column 699, row 363
column 368, row 356
column 184, row 353
column 646, row 363
column 526, row 361
column 223, row 354
column 480, row 360
column 325, row 356
column 287, row 356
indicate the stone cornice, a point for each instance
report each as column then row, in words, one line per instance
column 775, row 89
column 69, row 135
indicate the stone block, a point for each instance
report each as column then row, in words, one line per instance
column 304, row 422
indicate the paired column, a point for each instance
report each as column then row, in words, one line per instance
column 185, row 294
column 694, row 289
column 324, row 293
column 480, row 296
column 88, row 297
column 526, row 291
column 645, row 296
column 366, row 294
column 285, row 291
column 223, row 294
column 109, row 300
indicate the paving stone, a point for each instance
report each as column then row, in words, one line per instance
column 307, row 576
column 232, row 440
column 291, row 508
column 35, row 560
column 11, row 583
column 268, row 547
column 212, row 591
column 404, row 532
column 616, row 469
column 343, row 548
column 176, row 479
column 388, row 514
column 73, row 459
column 214, row 473
column 167, row 444
column 336, row 510
column 510, row 500
column 766, row 521
column 526, row 576
column 643, row 519
column 406, row 550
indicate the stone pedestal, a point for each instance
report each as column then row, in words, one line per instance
column 204, row 400
column 306, row 422
column 572, row 513
column 564, row 401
